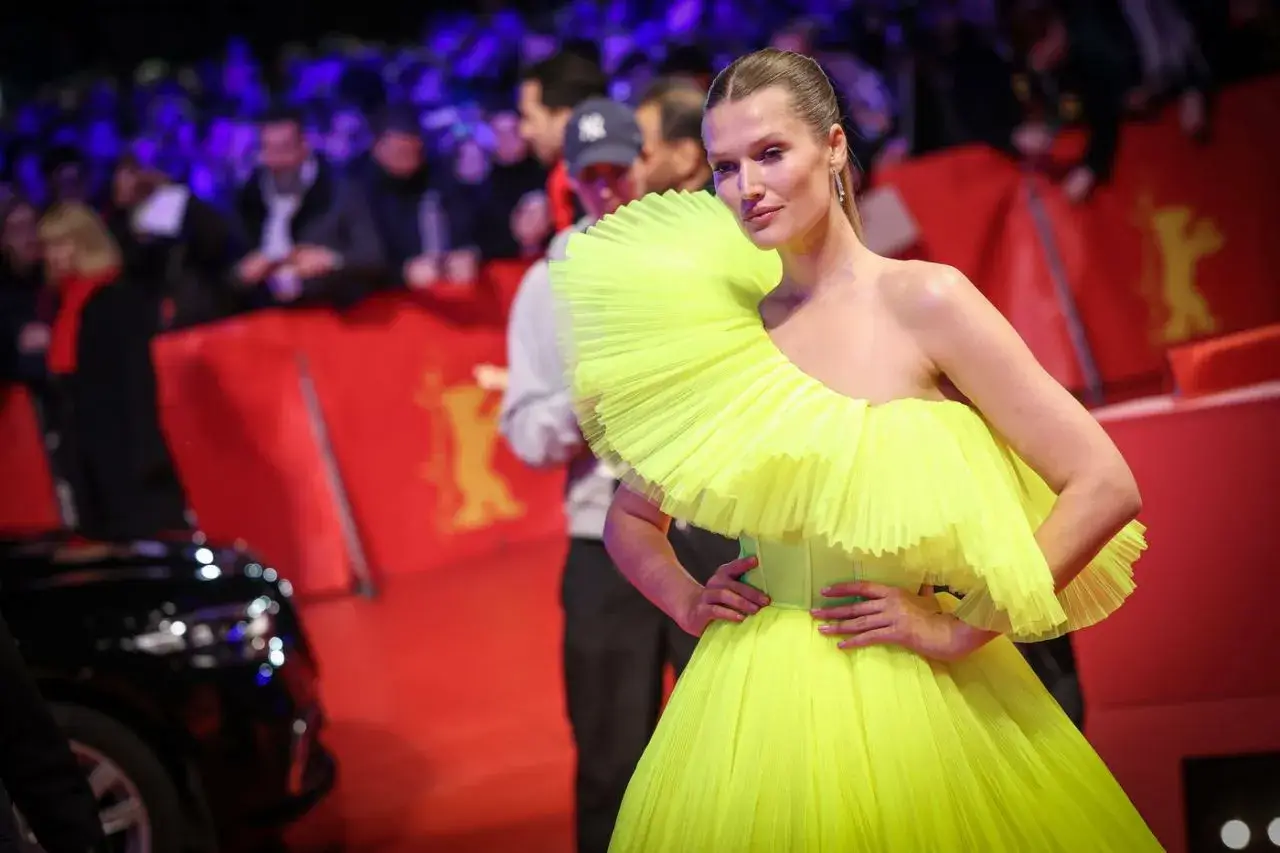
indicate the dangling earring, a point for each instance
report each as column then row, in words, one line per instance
column 835, row 176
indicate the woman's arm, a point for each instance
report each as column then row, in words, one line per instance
column 635, row 535
column 976, row 348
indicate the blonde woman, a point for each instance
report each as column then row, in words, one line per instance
column 80, row 256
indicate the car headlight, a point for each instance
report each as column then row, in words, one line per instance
column 214, row 636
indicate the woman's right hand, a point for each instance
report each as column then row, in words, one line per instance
column 724, row 597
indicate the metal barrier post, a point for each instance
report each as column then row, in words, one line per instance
column 1093, row 390
column 363, row 580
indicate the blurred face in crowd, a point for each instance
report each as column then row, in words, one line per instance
column 20, row 237
column 531, row 222
column 60, row 256
column 664, row 165
column 769, row 168
column 282, row 149
column 542, row 128
column 399, row 153
column 508, row 145
column 603, row 187
column 472, row 164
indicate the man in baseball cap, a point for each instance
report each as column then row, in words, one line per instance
column 616, row 644
column 602, row 144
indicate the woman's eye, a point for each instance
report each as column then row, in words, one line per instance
column 722, row 168
column 772, row 154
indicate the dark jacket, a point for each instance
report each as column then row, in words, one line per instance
column 427, row 213
column 334, row 213
column 123, row 454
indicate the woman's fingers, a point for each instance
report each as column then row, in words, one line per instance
column 719, row 611
column 750, row 593
column 862, row 589
column 849, row 611
column 878, row 637
column 729, row 598
column 736, row 568
column 860, row 625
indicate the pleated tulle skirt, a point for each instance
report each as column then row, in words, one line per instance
column 776, row 741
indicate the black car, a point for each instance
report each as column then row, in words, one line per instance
column 183, row 679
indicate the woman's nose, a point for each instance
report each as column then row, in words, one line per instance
column 749, row 182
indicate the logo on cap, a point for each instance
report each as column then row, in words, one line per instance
column 591, row 128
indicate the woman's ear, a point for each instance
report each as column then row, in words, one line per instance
column 838, row 142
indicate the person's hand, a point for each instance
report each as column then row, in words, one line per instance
column 254, row 268
column 1032, row 139
column 1079, row 182
column 462, row 266
column 897, row 617
column 312, row 261
column 490, row 377
column 34, row 338
column 724, row 597
column 421, row 272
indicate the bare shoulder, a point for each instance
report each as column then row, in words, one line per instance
column 923, row 294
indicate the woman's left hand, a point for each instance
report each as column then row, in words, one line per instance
column 895, row 616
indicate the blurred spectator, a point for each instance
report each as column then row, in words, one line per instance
column 110, row 447
column 1172, row 63
column 688, row 60
column 80, row 257
column 175, row 246
column 24, row 333
column 549, row 90
column 670, row 117
column 516, row 182
column 963, row 87
column 1071, row 49
column 530, row 224
column 311, row 228
column 423, row 217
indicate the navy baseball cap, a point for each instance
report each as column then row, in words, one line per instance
column 601, row 131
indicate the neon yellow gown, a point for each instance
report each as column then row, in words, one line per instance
column 775, row 740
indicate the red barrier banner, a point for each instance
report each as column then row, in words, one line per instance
column 427, row 479
column 27, row 499
column 236, row 422
column 970, row 206
column 1181, row 244
column 1178, row 246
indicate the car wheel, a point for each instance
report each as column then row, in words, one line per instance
column 138, row 803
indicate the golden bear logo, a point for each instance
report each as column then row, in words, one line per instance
column 464, row 430
column 1181, row 239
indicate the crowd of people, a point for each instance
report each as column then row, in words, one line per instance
column 227, row 187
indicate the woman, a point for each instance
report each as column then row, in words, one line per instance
column 80, row 257
column 796, row 390
column 114, row 452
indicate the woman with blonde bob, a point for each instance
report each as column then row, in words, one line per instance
column 872, row 430
column 80, row 256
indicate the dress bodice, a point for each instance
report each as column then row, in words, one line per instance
column 794, row 575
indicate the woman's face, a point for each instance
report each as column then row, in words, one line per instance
column 60, row 255
column 769, row 169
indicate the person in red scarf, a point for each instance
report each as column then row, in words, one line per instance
column 81, row 256
column 549, row 90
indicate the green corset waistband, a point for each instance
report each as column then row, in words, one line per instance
column 794, row 575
